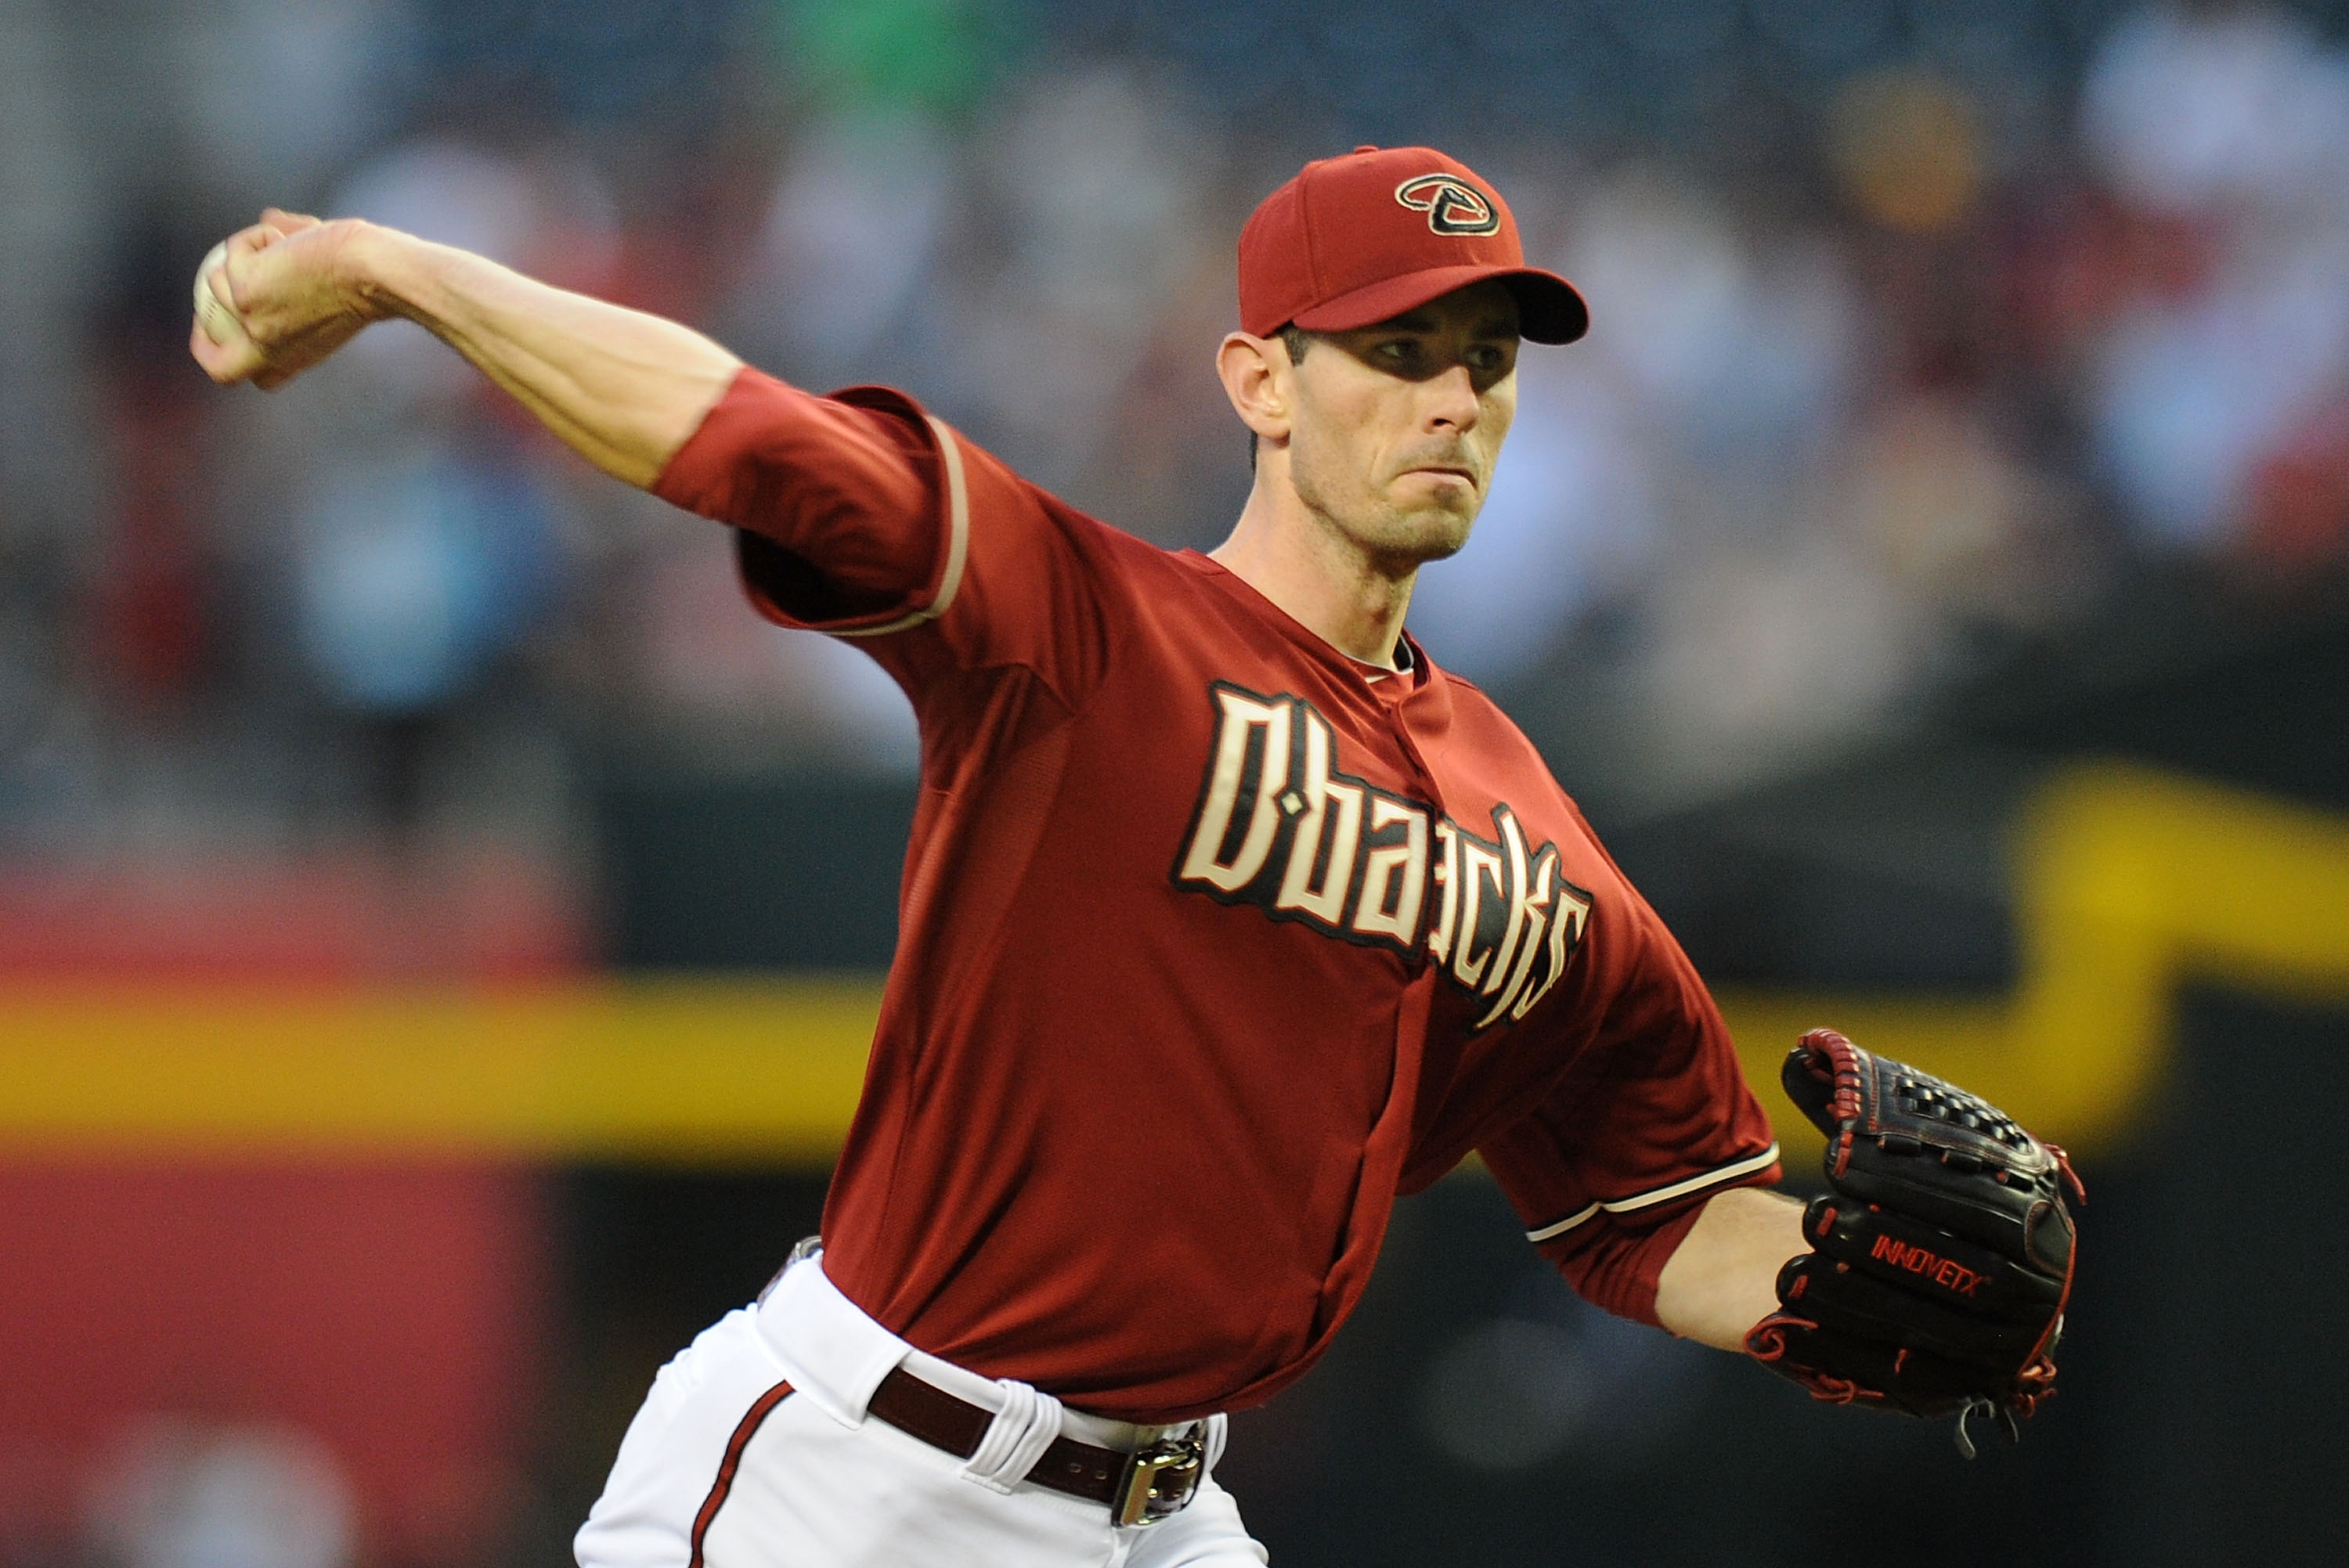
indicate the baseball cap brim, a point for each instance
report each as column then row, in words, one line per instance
column 1549, row 309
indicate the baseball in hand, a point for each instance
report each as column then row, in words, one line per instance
column 218, row 320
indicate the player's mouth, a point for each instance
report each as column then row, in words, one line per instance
column 1445, row 471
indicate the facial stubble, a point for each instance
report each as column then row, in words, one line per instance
column 1396, row 539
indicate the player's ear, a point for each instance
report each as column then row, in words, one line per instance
column 1258, row 379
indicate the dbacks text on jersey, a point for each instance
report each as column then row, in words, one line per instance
column 1280, row 826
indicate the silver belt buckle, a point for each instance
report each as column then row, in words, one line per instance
column 1159, row 1481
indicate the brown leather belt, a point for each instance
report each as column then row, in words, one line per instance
column 1140, row 1487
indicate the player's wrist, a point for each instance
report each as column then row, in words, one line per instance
column 377, row 272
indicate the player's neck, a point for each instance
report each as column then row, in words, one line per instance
column 1323, row 580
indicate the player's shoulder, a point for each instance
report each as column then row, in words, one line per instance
column 1474, row 711
column 1479, row 723
column 994, row 476
column 1115, row 552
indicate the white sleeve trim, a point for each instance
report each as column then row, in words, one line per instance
column 958, row 541
column 1639, row 1201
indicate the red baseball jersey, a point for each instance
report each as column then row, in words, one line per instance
column 1211, row 941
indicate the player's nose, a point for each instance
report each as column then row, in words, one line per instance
column 1450, row 399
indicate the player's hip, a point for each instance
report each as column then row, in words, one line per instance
column 754, row 1449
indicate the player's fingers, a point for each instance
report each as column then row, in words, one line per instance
column 281, row 297
column 216, row 281
column 234, row 269
column 1931, row 1262
column 200, row 344
column 248, row 272
column 1885, row 1373
column 225, row 363
column 253, row 237
column 282, row 222
column 1830, row 1294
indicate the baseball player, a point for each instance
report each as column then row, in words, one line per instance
column 1228, row 916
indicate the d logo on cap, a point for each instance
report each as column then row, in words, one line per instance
column 1453, row 205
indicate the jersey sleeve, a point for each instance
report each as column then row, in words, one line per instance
column 1608, row 1169
column 861, row 515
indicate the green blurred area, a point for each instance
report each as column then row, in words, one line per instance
column 939, row 56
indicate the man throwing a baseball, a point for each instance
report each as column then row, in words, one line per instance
column 1228, row 916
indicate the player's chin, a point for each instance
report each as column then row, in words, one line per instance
column 1434, row 532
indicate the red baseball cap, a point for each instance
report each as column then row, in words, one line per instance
column 1355, row 240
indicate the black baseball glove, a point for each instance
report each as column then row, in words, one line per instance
column 1942, row 1254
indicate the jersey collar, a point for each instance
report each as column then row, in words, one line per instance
column 1414, row 669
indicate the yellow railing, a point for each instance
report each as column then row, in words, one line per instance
column 2129, row 882
column 696, row 1069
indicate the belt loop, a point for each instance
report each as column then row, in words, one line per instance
column 806, row 1247
column 1022, row 1429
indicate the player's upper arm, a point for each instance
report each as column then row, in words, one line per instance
column 863, row 516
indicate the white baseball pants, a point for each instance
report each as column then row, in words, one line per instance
column 753, row 1451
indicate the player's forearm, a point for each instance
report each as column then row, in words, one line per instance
column 1722, row 1279
column 623, row 389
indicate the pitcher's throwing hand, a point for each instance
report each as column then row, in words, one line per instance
column 283, row 284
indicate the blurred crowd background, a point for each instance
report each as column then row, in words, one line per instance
column 1956, row 364
column 1923, row 331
